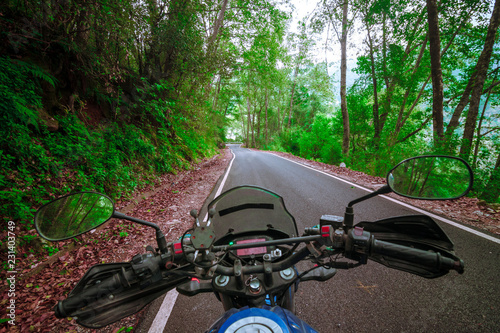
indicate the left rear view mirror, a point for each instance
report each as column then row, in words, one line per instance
column 73, row 215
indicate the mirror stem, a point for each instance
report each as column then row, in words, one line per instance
column 348, row 218
column 160, row 238
column 162, row 242
column 383, row 190
column 133, row 219
column 349, row 212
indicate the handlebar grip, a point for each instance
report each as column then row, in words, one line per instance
column 425, row 258
column 67, row 307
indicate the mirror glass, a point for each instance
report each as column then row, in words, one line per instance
column 72, row 215
column 431, row 177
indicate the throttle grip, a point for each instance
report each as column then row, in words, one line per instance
column 67, row 307
column 420, row 257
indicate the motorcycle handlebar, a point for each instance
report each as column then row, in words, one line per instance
column 363, row 242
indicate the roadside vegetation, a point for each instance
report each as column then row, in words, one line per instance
column 424, row 80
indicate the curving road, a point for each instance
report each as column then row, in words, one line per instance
column 371, row 298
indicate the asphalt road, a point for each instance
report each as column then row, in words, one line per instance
column 371, row 298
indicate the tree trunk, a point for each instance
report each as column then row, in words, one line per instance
column 343, row 84
column 402, row 116
column 282, row 121
column 391, row 80
column 384, row 49
column 267, row 104
column 376, row 120
column 257, row 137
column 216, row 97
column 243, row 126
column 464, row 100
column 291, row 97
column 482, row 65
column 212, row 47
column 248, row 118
column 478, row 135
column 436, row 72
column 482, row 71
column 253, row 128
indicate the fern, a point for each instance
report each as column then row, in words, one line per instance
column 18, row 100
column 35, row 71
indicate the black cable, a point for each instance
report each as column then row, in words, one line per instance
column 238, row 257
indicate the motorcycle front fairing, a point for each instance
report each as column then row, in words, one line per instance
column 251, row 210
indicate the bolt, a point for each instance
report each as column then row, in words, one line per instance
column 254, row 286
column 222, row 280
column 287, row 274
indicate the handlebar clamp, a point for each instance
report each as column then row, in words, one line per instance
column 358, row 244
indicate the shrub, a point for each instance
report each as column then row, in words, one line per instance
column 320, row 143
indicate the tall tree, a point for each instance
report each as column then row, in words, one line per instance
column 375, row 108
column 302, row 44
column 481, row 66
column 335, row 14
column 480, row 73
column 343, row 83
column 294, row 84
column 212, row 47
column 436, row 72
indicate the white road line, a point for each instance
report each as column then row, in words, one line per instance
column 225, row 176
column 421, row 211
column 158, row 325
column 161, row 319
column 219, row 190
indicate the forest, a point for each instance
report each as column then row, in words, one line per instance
column 107, row 95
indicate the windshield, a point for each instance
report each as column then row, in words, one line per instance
column 250, row 208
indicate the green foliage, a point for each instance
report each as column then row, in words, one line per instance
column 116, row 159
column 289, row 140
column 20, row 154
column 319, row 143
column 50, row 250
column 18, row 96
